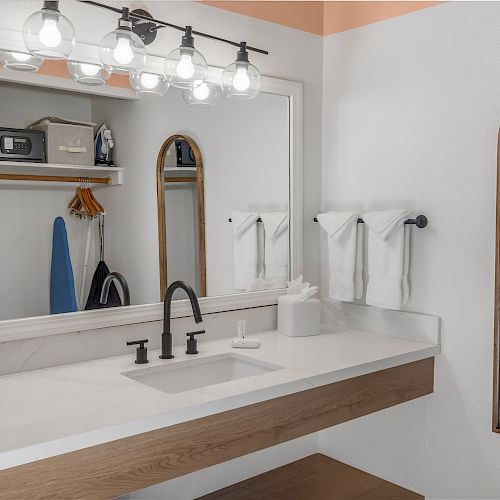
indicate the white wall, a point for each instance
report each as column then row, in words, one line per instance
column 28, row 212
column 411, row 116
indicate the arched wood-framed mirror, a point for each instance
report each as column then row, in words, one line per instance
column 179, row 169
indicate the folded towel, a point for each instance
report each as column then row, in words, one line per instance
column 388, row 258
column 276, row 248
column 245, row 254
column 345, row 254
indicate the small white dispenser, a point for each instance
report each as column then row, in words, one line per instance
column 299, row 313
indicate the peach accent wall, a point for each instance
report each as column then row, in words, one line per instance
column 343, row 16
column 304, row 16
column 321, row 18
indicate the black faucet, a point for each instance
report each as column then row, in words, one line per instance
column 107, row 283
column 166, row 336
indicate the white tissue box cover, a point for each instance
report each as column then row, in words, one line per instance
column 298, row 319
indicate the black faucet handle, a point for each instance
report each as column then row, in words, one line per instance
column 192, row 334
column 138, row 342
column 192, row 343
column 141, row 351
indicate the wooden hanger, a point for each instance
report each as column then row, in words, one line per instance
column 84, row 204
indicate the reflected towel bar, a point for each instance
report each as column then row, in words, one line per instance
column 258, row 220
column 420, row 221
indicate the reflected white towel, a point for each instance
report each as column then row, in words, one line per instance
column 388, row 258
column 245, row 254
column 345, row 254
column 276, row 248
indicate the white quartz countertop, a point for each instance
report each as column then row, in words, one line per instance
column 61, row 409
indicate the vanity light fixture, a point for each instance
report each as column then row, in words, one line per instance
column 185, row 67
column 241, row 80
column 122, row 51
column 203, row 96
column 49, row 34
column 88, row 73
column 152, row 84
column 20, row 61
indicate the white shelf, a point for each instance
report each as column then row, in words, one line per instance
column 15, row 167
column 180, row 169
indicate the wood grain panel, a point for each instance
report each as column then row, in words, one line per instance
column 495, row 424
column 316, row 477
column 113, row 469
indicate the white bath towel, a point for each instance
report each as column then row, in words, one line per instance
column 345, row 254
column 276, row 244
column 245, row 254
column 388, row 258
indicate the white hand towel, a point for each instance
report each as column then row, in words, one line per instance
column 345, row 254
column 276, row 248
column 245, row 254
column 388, row 258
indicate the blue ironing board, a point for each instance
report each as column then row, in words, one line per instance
column 62, row 282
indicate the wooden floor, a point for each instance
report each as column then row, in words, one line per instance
column 314, row 478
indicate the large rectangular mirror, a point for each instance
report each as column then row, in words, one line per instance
column 206, row 197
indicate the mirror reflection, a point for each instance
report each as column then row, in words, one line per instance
column 181, row 214
column 194, row 194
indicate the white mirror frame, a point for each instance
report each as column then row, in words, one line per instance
column 24, row 328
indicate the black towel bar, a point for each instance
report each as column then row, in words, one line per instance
column 420, row 221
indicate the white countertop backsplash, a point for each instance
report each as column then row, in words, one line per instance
column 55, row 350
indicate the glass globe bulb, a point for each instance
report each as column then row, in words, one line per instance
column 88, row 73
column 148, row 84
column 203, row 96
column 90, row 69
column 201, row 92
column 19, row 56
column 185, row 67
column 20, row 61
column 49, row 34
column 241, row 80
column 149, row 81
column 122, row 51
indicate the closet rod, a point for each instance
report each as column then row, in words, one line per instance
column 420, row 221
column 54, row 178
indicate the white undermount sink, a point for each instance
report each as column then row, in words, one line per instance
column 201, row 372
